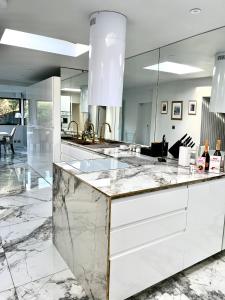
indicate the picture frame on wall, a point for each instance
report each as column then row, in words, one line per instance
column 177, row 110
column 164, row 107
column 192, row 107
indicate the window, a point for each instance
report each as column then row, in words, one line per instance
column 8, row 109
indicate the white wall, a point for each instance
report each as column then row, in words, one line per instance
column 132, row 97
column 183, row 90
column 11, row 91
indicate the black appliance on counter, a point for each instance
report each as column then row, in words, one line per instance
column 157, row 149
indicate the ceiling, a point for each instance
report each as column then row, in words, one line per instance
column 150, row 24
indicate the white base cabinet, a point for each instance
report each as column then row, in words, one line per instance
column 205, row 221
column 155, row 235
column 146, row 240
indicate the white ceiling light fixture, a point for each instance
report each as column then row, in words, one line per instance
column 71, row 90
column 174, row 68
column 42, row 43
column 3, row 3
column 195, row 11
column 217, row 101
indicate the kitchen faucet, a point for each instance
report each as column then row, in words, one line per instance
column 101, row 138
column 76, row 126
column 91, row 125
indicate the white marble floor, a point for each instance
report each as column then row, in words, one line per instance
column 32, row 269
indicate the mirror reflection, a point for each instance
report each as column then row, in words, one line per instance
column 134, row 122
column 184, row 104
column 167, row 92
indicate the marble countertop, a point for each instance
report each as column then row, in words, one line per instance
column 144, row 174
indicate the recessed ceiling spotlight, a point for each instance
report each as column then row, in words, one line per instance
column 195, row 11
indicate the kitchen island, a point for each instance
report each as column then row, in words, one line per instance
column 123, row 221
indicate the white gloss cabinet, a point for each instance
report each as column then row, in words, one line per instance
column 205, row 221
column 146, row 240
column 139, row 269
column 155, row 235
column 43, row 126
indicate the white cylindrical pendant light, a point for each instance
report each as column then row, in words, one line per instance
column 106, row 58
column 217, row 101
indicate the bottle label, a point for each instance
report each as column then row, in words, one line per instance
column 215, row 162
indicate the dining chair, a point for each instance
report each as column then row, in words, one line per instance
column 9, row 140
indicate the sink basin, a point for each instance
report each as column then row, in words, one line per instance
column 96, row 144
column 77, row 141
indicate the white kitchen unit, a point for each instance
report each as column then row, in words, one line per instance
column 132, row 239
column 205, row 221
column 71, row 152
column 146, row 245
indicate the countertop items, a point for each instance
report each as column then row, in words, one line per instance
column 141, row 174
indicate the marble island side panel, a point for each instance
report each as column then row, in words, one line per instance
column 81, row 217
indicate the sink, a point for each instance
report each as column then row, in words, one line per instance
column 106, row 144
column 77, row 141
column 97, row 144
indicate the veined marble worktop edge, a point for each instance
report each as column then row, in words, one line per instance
column 144, row 190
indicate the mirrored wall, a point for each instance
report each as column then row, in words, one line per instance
column 166, row 91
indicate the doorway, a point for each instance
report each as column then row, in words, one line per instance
column 143, row 123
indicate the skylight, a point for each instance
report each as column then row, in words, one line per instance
column 175, row 68
column 42, row 43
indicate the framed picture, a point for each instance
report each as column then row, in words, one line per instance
column 164, row 107
column 192, row 107
column 177, row 110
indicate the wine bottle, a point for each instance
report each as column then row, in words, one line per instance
column 206, row 155
column 218, row 148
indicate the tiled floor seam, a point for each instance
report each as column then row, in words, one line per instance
column 43, row 277
column 15, row 293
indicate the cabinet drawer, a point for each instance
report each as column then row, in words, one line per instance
column 135, row 235
column 135, row 208
column 138, row 270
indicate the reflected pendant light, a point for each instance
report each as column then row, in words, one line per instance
column 217, row 102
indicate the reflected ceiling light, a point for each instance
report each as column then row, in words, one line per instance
column 195, row 11
column 175, row 68
column 3, row 3
column 42, row 43
column 71, row 90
